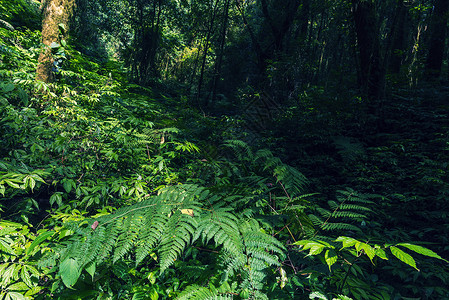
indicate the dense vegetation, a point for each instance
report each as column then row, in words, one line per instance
column 224, row 149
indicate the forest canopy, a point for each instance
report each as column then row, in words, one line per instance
column 224, row 149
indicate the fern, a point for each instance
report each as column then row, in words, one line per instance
column 166, row 224
column 348, row 212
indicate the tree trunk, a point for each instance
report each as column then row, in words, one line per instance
column 55, row 12
column 219, row 60
column 398, row 39
column 210, row 30
column 437, row 39
column 372, row 73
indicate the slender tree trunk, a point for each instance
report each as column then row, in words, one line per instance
column 55, row 12
column 261, row 54
column 398, row 39
column 437, row 38
column 217, row 68
column 372, row 73
column 206, row 47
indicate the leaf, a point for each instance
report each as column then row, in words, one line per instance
column 30, row 182
column 5, row 247
column 56, row 197
column 367, row 249
column 42, row 237
column 54, row 45
column 91, row 268
column 347, row 241
column 69, row 271
column 187, row 212
column 19, row 286
column 67, row 185
column 25, row 276
column 8, row 87
column 404, row 257
column 421, row 250
column 15, row 296
column 61, row 27
column 284, row 278
column 331, row 258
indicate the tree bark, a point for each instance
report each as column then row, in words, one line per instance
column 372, row 73
column 55, row 12
column 437, row 38
column 398, row 38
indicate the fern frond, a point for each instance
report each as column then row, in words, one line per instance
column 240, row 148
column 178, row 232
column 196, row 292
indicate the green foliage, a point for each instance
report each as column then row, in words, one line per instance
column 138, row 195
column 350, row 211
column 162, row 227
column 19, row 251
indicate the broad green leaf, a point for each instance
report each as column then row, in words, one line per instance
column 381, row 253
column 61, row 27
column 40, row 238
column 404, row 257
column 318, row 295
column 8, row 87
column 421, row 250
column 67, row 186
column 91, row 267
column 347, row 241
column 30, row 182
column 56, row 197
column 369, row 251
column 69, row 271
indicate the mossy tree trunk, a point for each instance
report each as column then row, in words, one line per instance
column 55, row 12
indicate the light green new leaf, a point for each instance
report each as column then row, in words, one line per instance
column 25, row 276
column 69, row 271
column 15, row 296
column 421, row 250
column 6, row 248
column 347, row 241
column 404, row 257
column 331, row 258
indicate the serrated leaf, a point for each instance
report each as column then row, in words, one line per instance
column 404, row 257
column 69, row 271
column 421, row 250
